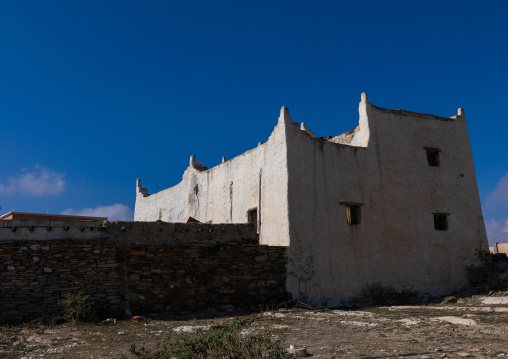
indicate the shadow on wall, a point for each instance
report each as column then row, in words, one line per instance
column 143, row 267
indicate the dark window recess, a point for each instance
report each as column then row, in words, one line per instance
column 440, row 222
column 353, row 214
column 252, row 217
column 433, row 156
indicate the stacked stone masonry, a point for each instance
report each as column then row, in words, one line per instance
column 144, row 267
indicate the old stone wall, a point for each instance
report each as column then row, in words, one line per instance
column 145, row 267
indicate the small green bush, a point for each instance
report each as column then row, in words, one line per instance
column 75, row 306
column 221, row 341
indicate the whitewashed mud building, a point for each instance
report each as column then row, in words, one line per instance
column 395, row 200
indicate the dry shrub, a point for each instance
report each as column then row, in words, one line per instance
column 222, row 341
column 75, row 306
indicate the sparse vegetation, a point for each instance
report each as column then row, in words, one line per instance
column 379, row 294
column 6, row 329
column 75, row 306
column 340, row 333
column 487, row 271
column 221, row 341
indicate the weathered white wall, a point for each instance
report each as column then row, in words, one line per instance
column 396, row 242
column 305, row 179
column 226, row 192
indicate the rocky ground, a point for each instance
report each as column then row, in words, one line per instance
column 472, row 327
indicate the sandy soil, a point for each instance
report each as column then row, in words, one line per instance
column 475, row 327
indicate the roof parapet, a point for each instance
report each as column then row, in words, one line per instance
column 194, row 163
column 284, row 117
column 361, row 137
column 304, row 128
column 141, row 190
column 365, row 97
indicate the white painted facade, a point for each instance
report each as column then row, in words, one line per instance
column 300, row 186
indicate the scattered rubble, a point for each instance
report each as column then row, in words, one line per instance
column 109, row 321
column 138, row 318
column 472, row 327
column 457, row 320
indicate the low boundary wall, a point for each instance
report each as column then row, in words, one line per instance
column 146, row 267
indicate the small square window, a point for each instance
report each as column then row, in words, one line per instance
column 353, row 214
column 440, row 222
column 432, row 156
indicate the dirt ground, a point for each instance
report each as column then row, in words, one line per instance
column 474, row 327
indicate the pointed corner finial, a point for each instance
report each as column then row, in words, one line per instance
column 192, row 161
column 284, row 115
column 303, row 126
column 141, row 190
column 460, row 112
column 365, row 97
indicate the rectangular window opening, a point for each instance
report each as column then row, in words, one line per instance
column 432, row 156
column 440, row 221
column 252, row 217
column 353, row 214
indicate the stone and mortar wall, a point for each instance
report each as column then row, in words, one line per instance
column 199, row 277
column 145, row 267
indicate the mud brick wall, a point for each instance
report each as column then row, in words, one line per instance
column 145, row 267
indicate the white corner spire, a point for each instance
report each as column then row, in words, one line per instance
column 365, row 97
column 284, row 115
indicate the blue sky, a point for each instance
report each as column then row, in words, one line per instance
column 94, row 94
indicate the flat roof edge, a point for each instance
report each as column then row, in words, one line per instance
column 52, row 215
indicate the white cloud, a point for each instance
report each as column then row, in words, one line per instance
column 40, row 181
column 497, row 231
column 115, row 212
column 500, row 194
